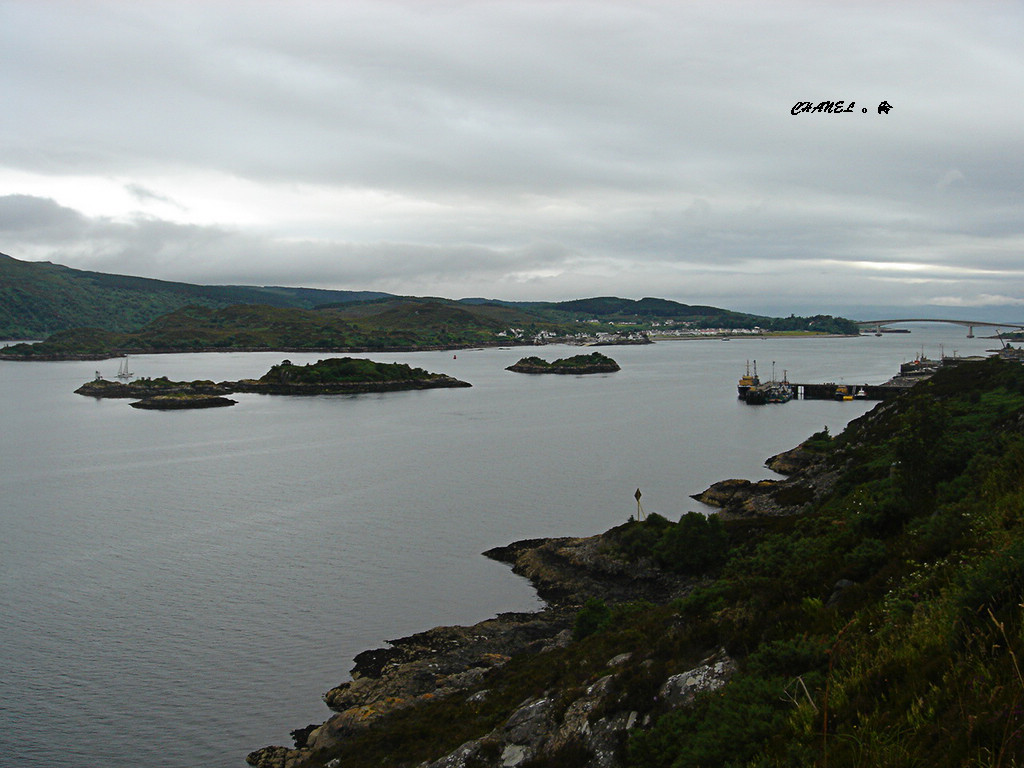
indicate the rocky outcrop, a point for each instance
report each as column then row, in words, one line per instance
column 162, row 388
column 432, row 664
column 807, row 479
column 539, row 727
column 710, row 675
column 595, row 362
column 792, row 461
column 742, row 498
column 345, row 387
column 568, row 571
column 735, row 493
column 143, row 388
column 447, row 660
column 546, row 726
column 557, row 725
column 182, row 402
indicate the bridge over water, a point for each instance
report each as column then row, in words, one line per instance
column 878, row 325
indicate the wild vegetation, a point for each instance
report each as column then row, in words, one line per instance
column 38, row 299
column 82, row 313
column 595, row 362
column 342, row 369
column 879, row 624
column 675, row 315
column 420, row 324
column 914, row 659
column 336, row 375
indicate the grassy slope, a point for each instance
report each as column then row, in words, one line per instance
column 38, row 299
column 395, row 324
column 343, row 369
column 918, row 662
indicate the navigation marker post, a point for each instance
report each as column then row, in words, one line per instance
column 639, row 506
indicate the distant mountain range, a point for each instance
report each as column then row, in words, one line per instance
column 40, row 298
column 92, row 314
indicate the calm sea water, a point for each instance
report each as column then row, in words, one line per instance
column 177, row 589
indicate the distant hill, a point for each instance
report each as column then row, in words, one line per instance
column 40, row 298
column 377, row 325
column 82, row 313
column 610, row 306
column 613, row 307
column 665, row 312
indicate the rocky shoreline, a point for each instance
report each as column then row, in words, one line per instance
column 183, row 402
column 202, row 392
column 121, row 352
column 150, row 388
column 438, row 381
column 443, row 661
column 566, row 572
column 285, row 349
column 578, row 365
column 806, row 481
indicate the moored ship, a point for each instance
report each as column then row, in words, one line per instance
column 770, row 392
column 748, row 381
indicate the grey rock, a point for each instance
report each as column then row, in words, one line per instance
column 515, row 754
column 680, row 690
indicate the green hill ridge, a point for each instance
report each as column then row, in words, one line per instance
column 38, row 299
column 91, row 314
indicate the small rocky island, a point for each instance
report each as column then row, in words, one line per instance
column 182, row 402
column 333, row 376
column 595, row 362
column 344, row 375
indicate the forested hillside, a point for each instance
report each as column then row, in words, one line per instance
column 406, row 324
column 40, row 298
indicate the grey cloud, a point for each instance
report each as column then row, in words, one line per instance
column 143, row 194
column 550, row 147
column 24, row 217
column 479, row 94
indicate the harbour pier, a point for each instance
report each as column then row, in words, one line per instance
column 834, row 391
column 755, row 392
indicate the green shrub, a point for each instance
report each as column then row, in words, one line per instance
column 593, row 617
column 697, row 543
column 866, row 557
column 637, row 539
column 722, row 729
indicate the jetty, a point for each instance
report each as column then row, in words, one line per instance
column 834, row 391
column 754, row 392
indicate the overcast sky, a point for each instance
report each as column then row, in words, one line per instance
column 525, row 150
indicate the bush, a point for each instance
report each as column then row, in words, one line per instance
column 722, row 729
column 690, row 547
column 637, row 540
column 594, row 616
column 698, row 542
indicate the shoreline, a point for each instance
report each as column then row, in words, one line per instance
column 746, row 336
column 448, row 660
column 147, row 390
column 566, row 573
column 654, row 338
column 208, row 350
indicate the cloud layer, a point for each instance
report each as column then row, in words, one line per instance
column 527, row 150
